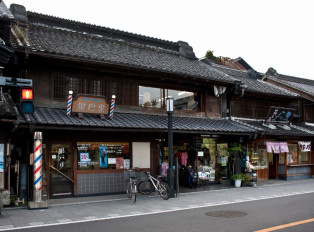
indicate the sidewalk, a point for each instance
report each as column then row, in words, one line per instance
column 80, row 209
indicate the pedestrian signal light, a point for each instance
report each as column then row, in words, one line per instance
column 27, row 94
column 26, row 100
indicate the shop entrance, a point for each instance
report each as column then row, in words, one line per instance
column 61, row 171
column 272, row 165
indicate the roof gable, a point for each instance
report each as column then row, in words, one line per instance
column 302, row 86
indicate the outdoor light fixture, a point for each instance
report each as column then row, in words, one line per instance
column 169, row 105
column 171, row 169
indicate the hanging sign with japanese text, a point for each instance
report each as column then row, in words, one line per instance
column 89, row 104
column 305, row 146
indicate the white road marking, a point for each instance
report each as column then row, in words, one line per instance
column 116, row 216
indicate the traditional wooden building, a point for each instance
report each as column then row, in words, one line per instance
column 84, row 154
column 261, row 99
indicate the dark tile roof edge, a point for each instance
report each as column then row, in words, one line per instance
column 239, row 120
column 302, row 129
column 309, row 124
column 292, row 94
column 217, row 66
column 5, row 13
column 272, row 73
column 98, row 27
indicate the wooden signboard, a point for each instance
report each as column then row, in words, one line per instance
column 279, row 115
column 89, row 104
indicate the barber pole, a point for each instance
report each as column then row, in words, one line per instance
column 113, row 101
column 37, row 166
column 69, row 106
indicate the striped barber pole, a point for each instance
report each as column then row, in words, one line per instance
column 69, row 106
column 37, row 165
column 113, row 101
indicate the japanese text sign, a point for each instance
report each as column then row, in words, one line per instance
column 90, row 105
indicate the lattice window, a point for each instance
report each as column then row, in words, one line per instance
column 126, row 91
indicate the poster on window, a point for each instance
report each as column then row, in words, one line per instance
column 112, row 160
column 224, row 161
column 119, row 163
column 103, row 157
column 84, row 159
column 1, row 157
column 126, row 163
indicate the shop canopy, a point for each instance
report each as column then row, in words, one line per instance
column 56, row 118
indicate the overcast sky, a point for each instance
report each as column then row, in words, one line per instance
column 265, row 33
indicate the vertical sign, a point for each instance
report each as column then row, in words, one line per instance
column 1, row 157
column 1, row 166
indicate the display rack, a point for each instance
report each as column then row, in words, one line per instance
column 253, row 177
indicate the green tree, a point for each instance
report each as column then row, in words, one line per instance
column 210, row 55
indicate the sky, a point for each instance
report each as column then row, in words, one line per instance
column 265, row 33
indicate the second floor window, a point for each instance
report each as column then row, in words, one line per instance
column 155, row 98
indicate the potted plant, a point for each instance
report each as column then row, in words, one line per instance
column 232, row 153
column 245, row 179
column 237, row 180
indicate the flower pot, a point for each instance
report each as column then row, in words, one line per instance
column 237, row 183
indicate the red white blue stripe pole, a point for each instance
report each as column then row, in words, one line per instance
column 69, row 106
column 113, row 102
column 38, row 166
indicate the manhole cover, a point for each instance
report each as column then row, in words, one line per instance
column 226, row 214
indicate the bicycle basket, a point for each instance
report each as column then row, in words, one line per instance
column 129, row 173
column 141, row 176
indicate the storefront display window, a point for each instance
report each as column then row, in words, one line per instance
column 304, row 156
column 103, row 155
column 155, row 98
column 293, row 153
column 262, row 158
column 259, row 158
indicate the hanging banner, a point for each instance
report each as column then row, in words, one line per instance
column 103, row 157
column 1, row 157
column 305, row 145
column 277, row 147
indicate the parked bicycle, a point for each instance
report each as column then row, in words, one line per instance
column 152, row 184
column 131, row 183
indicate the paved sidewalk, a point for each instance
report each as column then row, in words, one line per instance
column 65, row 211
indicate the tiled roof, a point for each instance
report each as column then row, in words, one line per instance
column 258, row 125
column 7, row 110
column 306, row 127
column 5, row 13
column 84, row 41
column 301, row 84
column 50, row 117
column 252, row 81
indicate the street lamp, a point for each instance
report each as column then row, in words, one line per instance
column 170, row 174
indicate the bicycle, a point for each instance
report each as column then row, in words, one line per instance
column 152, row 184
column 131, row 183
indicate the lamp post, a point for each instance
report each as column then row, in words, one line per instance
column 170, row 174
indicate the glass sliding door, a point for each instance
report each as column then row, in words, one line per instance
column 61, row 171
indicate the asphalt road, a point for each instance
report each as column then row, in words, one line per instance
column 236, row 217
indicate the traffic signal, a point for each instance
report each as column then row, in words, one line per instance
column 26, row 100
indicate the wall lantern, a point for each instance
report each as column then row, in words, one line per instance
column 169, row 105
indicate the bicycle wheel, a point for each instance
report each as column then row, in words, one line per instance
column 134, row 191
column 145, row 187
column 128, row 189
column 164, row 190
